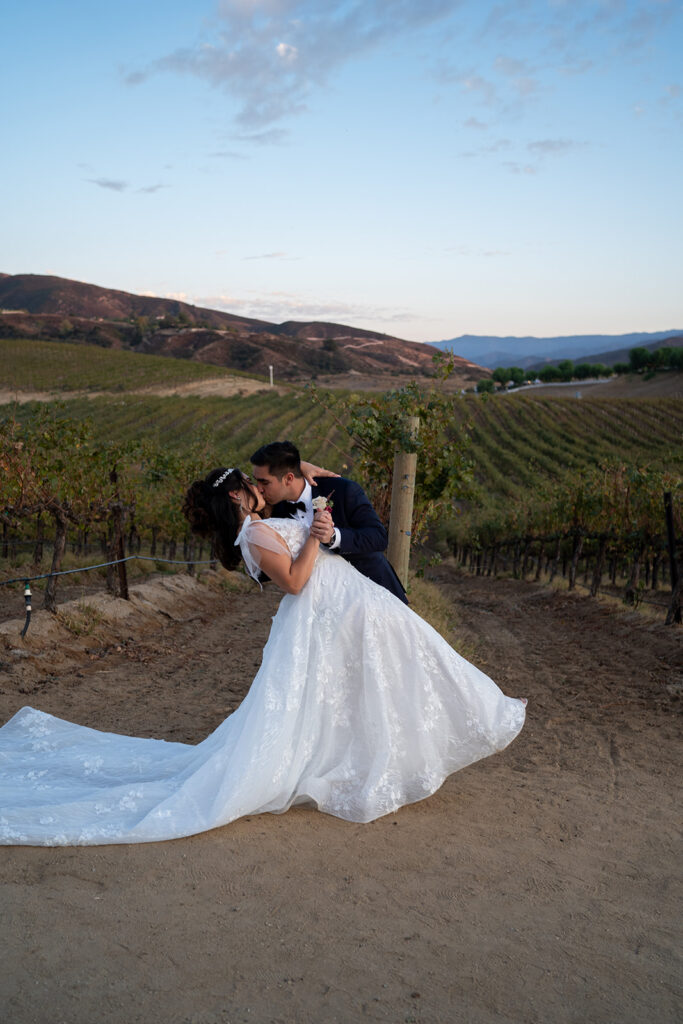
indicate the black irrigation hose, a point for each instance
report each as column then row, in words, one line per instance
column 27, row 600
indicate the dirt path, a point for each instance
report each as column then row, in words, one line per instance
column 221, row 387
column 539, row 885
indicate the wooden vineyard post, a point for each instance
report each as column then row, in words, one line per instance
column 117, row 578
column 402, row 495
column 674, row 612
column 61, row 522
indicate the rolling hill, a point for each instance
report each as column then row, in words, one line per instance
column 54, row 308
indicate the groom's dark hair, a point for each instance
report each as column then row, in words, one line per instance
column 280, row 457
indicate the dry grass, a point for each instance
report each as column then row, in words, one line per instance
column 430, row 604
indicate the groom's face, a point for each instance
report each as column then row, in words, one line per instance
column 274, row 488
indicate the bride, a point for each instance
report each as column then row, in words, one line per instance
column 359, row 707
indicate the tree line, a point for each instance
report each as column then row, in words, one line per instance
column 641, row 360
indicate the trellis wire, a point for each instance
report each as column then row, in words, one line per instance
column 103, row 565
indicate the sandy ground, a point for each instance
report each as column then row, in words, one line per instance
column 540, row 885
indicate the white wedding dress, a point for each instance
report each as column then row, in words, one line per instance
column 358, row 708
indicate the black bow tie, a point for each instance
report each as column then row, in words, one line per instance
column 294, row 505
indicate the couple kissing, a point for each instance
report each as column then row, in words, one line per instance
column 355, row 532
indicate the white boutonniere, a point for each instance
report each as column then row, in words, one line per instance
column 322, row 504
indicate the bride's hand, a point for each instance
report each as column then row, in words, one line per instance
column 310, row 472
column 322, row 527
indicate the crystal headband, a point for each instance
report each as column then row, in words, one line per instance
column 223, row 477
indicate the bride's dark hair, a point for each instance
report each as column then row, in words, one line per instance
column 212, row 513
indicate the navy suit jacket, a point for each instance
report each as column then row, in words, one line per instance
column 362, row 536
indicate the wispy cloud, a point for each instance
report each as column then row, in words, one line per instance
column 524, row 48
column 472, row 83
column 272, row 256
column 227, row 154
column 271, row 137
column 672, row 93
column 552, row 147
column 634, row 24
column 569, row 29
column 517, row 168
column 113, row 184
column 286, row 52
column 670, row 101
column 495, row 146
column 538, row 150
column 271, row 55
column 116, row 185
column 519, row 74
column 474, row 122
column 512, row 67
column 279, row 306
column 576, row 66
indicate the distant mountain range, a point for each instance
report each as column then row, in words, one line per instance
column 59, row 309
column 534, row 352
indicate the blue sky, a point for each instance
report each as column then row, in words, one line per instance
column 420, row 167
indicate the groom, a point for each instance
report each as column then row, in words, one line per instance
column 357, row 534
